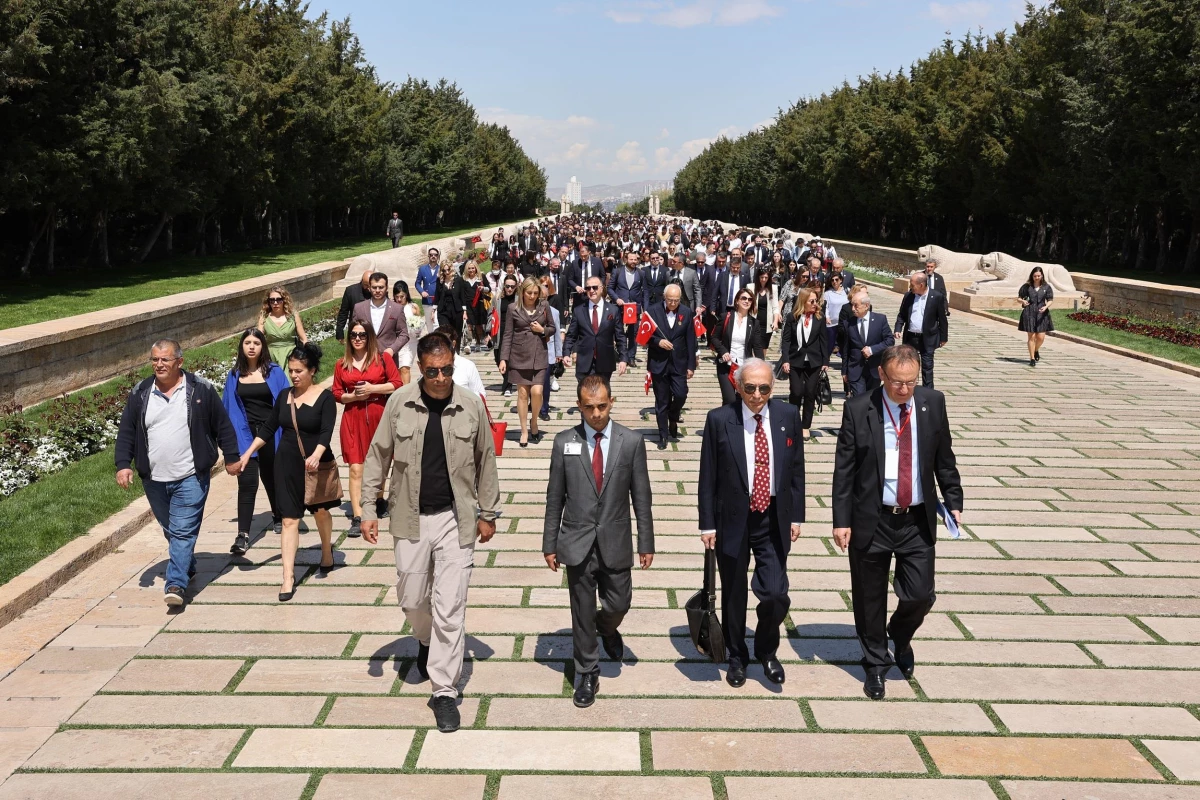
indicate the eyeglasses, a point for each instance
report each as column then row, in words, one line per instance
column 431, row 373
column 593, row 288
column 358, row 335
column 900, row 384
column 274, row 300
column 760, row 388
column 164, row 359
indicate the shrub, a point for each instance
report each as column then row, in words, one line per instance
column 1162, row 331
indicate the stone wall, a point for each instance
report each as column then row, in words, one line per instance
column 1154, row 300
column 891, row 259
column 45, row 359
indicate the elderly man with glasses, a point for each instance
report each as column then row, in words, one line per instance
column 751, row 500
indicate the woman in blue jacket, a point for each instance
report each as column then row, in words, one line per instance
column 250, row 391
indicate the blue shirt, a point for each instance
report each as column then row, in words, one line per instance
column 889, row 443
column 604, row 441
column 916, row 317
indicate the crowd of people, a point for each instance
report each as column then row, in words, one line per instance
column 601, row 294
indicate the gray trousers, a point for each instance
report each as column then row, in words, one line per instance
column 614, row 587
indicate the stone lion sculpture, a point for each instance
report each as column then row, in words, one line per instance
column 1011, row 273
column 950, row 263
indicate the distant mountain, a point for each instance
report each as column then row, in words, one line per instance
column 604, row 191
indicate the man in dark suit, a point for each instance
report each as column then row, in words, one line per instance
column 561, row 295
column 921, row 323
column 936, row 282
column 595, row 337
column 683, row 274
column 597, row 469
column 350, row 298
column 585, row 266
column 865, row 336
column 385, row 317
column 710, row 276
column 625, row 286
column 528, row 241
column 751, row 500
column 654, row 281
column 670, row 360
column 892, row 444
column 762, row 253
column 728, row 285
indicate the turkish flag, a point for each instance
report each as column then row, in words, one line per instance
column 646, row 329
column 733, row 368
column 494, row 328
column 648, row 382
column 698, row 324
column 631, row 315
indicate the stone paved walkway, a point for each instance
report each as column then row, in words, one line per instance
column 1059, row 662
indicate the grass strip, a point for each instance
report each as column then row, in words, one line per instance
column 1130, row 341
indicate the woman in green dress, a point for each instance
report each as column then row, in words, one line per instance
column 281, row 324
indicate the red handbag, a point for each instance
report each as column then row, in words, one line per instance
column 499, row 429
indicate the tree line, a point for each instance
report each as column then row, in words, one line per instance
column 1075, row 139
column 137, row 129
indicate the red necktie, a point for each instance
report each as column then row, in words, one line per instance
column 904, row 477
column 595, row 320
column 762, row 466
column 598, row 464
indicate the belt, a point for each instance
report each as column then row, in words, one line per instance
column 430, row 510
column 900, row 510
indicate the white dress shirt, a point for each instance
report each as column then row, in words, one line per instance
column 804, row 329
column 916, row 317
column 377, row 313
column 605, row 440
column 466, row 375
column 737, row 339
column 889, row 443
column 751, row 426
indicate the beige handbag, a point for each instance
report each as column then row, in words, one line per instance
column 324, row 485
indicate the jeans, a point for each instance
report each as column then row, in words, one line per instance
column 179, row 508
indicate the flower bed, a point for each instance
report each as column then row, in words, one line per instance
column 1167, row 333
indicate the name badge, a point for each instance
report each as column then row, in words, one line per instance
column 573, row 448
column 891, row 465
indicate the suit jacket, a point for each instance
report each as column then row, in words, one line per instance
column 814, row 352
column 858, row 463
column 603, row 345
column 722, row 339
column 688, row 281
column 652, row 287
column 938, row 284
column 562, row 295
column 879, row 338
column 575, row 277
column 725, row 497
column 350, row 298
column 709, row 275
column 935, row 329
column 520, row 346
column 682, row 337
column 525, row 243
column 721, row 290
column 393, row 331
column 622, row 286
column 578, row 517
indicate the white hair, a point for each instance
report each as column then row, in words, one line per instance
column 753, row 363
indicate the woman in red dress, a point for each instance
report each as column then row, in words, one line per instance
column 362, row 380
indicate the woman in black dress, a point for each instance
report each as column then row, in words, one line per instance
column 508, row 295
column 1036, row 298
column 316, row 412
column 451, row 297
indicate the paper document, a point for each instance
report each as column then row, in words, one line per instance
column 948, row 520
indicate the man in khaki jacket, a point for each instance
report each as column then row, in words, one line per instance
column 435, row 437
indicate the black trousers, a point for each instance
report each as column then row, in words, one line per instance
column 631, row 344
column 802, row 386
column 770, row 586
column 926, row 350
column 586, row 581
column 670, row 393
column 905, row 537
column 262, row 467
column 728, row 393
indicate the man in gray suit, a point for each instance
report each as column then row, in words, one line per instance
column 684, row 276
column 595, row 469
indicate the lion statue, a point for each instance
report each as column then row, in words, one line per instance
column 1012, row 273
column 951, row 264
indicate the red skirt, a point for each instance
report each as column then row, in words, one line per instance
column 359, row 422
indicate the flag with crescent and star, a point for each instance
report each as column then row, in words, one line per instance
column 646, row 329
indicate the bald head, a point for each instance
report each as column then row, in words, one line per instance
column 918, row 282
column 366, row 278
column 673, row 292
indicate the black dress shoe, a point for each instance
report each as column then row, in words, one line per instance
column 772, row 669
column 874, row 687
column 445, row 713
column 662, row 443
column 423, row 661
column 585, row 693
column 544, row 416
column 674, row 431
column 736, row 676
column 614, row 646
column 906, row 661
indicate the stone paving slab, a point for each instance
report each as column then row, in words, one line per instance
column 784, row 752
column 568, row 751
column 1113, row 720
column 392, row 712
column 205, row 748
column 740, row 788
column 1086, row 790
column 325, row 747
column 603, row 787
column 1039, row 757
column 182, row 709
column 154, row 786
column 868, row 716
column 513, row 712
column 1182, row 758
column 163, row 675
column 336, row 786
column 248, row 644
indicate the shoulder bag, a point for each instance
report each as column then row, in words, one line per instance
column 324, row 485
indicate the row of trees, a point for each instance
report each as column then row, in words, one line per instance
column 1075, row 138
column 138, row 128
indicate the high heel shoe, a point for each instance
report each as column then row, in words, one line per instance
column 524, row 440
column 285, row 596
column 324, row 569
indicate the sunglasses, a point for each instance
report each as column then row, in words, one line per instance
column 274, row 299
column 357, row 335
column 431, row 373
column 760, row 388
column 593, row 288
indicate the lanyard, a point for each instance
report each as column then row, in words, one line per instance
column 898, row 429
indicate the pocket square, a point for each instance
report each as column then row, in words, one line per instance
column 789, row 444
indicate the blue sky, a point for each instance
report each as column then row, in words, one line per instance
column 627, row 90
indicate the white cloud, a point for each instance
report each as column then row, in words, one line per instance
column 622, row 17
column 689, row 15
column 664, row 133
column 666, row 159
column 744, row 11
column 551, row 142
column 629, row 158
column 968, row 11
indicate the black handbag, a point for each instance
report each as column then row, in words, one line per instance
column 703, row 623
column 824, row 391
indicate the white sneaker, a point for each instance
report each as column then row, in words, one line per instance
column 554, row 384
column 508, row 392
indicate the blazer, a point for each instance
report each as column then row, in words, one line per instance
column 554, row 348
column 937, row 284
column 935, row 330
column 562, row 293
column 688, row 280
column 720, row 289
column 350, row 298
column 575, row 277
column 601, row 346
column 623, row 287
column 682, row 337
column 814, row 352
column 393, row 331
column 724, row 499
column 722, row 340
column 858, row 463
column 653, row 287
column 520, row 346
column 879, row 338
column 578, row 517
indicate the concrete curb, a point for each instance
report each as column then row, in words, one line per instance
column 1109, row 348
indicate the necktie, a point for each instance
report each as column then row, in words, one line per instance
column 729, row 296
column 862, row 329
column 761, row 498
column 598, row 463
column 595, row 320
column 904, row 445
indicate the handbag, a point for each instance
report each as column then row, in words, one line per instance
column 701, row 609
column 499, row 429
column 824, row 391
column 324, row 485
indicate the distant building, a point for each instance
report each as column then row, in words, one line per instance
column 659, row 186
column 574, row 191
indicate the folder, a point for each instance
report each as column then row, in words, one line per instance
column 948, row 520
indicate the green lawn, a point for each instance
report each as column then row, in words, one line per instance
column 1131, row 341
column 66, row 293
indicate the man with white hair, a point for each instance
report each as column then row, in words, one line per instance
column 751, row 500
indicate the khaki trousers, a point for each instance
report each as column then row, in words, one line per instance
column 432, row 577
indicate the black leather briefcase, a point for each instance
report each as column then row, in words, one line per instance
column 701, row 609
